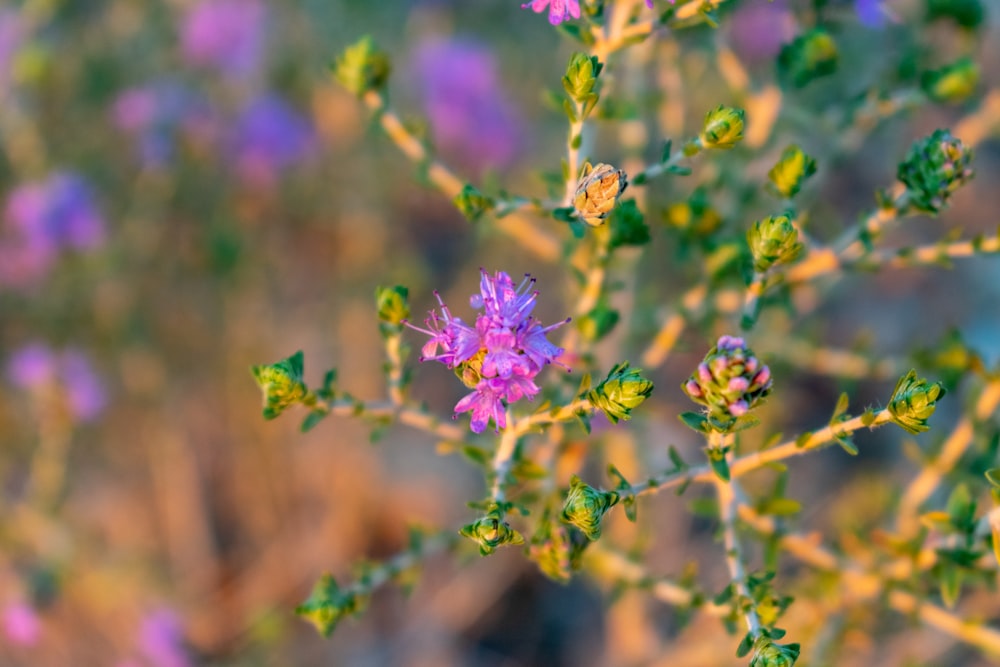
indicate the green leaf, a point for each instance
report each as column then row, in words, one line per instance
column 720, row 467
column 993, row 475
column 781, row 507
column 477, row 455
column 745, row 645
column 695, row 421
column 841, row 406
column 675, row 457
column 313, row 418
column 950, row 580
column 667, row 151
column 847, row 445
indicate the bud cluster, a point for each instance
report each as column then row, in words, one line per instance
column 914, row 401
column 723, row 127
column 281, row 384
column 934, row 168
column 773, row 240
column 623, row 390
column 729, row 382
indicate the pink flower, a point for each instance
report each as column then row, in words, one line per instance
column 559, row 10
column 502, row 354
column 21, row 624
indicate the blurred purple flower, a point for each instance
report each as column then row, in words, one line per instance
column 161, row 640
column 870, row 13
column 154, row 114
column 470, row 118
column 559, row 10
column 21, row 624
column 36, row 367
column 270, row 136
column 757, row 30
column 43, row 218
column 225, row 34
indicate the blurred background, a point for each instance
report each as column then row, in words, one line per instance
column 185, row 192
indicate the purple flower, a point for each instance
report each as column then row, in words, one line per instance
column 870, row 13
column 559, row 10
column 227, row 35
column 42, row 219
column 757, row 30
column 161, row 640
column 21, row 624
column 501, row 355
column 470, row 118
column 154, row 114
column 268, row 137
column 36, row 367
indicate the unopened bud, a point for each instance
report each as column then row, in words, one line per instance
column 723, row 127
column 622, row 391
column 773, row 240
column 281, row 384
column 933, row 169
column 585, row 506
column 914, row 401
column 808, row 57
column 953, row 83
column 791, row 171
column 362, row 67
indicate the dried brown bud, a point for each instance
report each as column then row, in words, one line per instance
column 597, row 192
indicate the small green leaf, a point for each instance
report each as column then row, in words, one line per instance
column 312, row 419
column 781, row 507
column 841, row 406
column 477, row 455
column 993, row 475
column 847, row 445
column 745, row 645
column 675, row 457
column 695, row 421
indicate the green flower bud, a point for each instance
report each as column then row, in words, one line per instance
column 767, row 653
column 327, row 604
column 472, row 203
column 623, row 390
column 807, row 57
column 581, row 77
column 585, row 506
column 491, row 531
column 914, row 401
column 773, row 240
column 393, row 308
column 729, row 382
column 952, row 83
column 966, row 13
column 933, row 169
column 723, row 127
column 362, row 67
column 281, row 384
column 597, row 192
column 791, row 171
